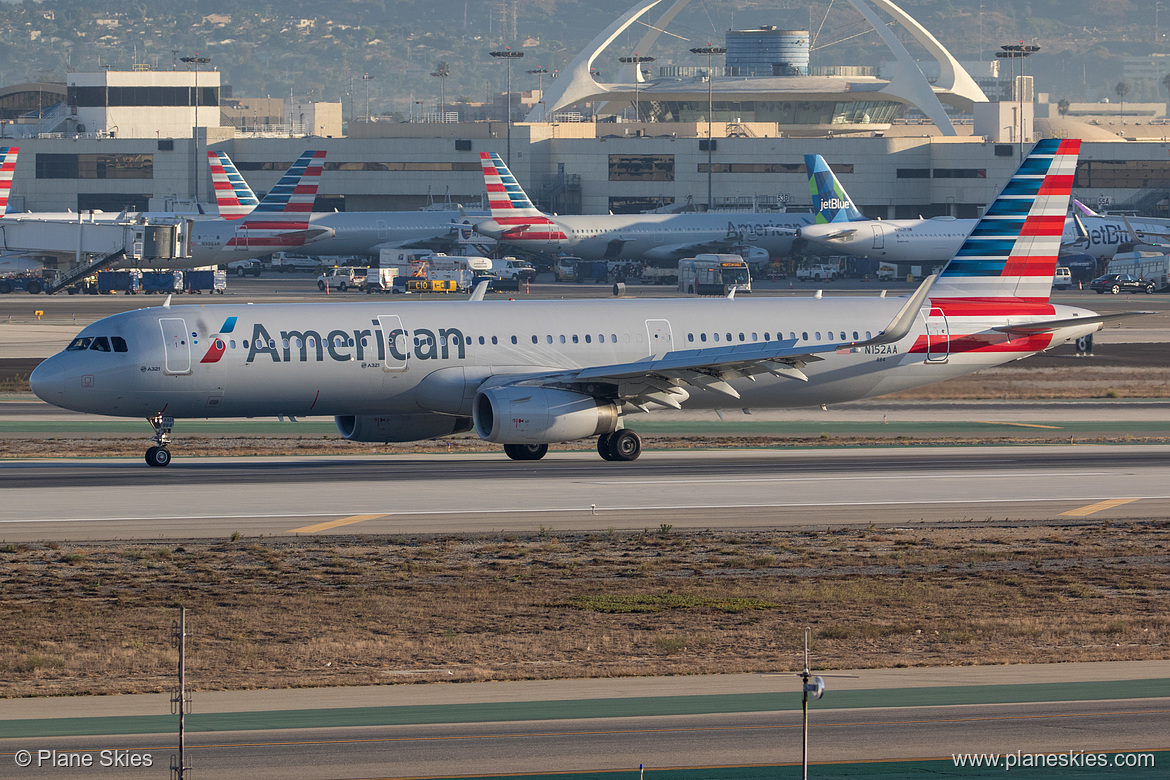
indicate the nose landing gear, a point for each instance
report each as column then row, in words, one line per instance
column 159, row 456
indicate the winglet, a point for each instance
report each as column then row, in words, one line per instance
column 479, row 291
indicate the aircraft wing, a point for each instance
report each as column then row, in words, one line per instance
column 659, row 379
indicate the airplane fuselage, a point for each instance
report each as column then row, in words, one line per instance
column 658, row 236
column 407, row 359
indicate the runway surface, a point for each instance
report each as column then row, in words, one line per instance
column 611, row 725
column 388, row 494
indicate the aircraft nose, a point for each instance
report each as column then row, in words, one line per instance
column 48, row 380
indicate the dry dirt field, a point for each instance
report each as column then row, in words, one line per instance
column 96, row 618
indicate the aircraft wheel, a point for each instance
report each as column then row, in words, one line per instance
column 625, row 445
column 158, row 457
column 525, row 451
column 605, row 446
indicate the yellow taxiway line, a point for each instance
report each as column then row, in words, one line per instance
column 1100, row 506
column 312, row 529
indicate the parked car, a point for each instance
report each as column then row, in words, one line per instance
column 244, row 268
column 1118, row 283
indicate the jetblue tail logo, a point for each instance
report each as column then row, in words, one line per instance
column 1012, row 251
column 833, row 204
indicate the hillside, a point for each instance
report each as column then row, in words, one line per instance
column 310, row 50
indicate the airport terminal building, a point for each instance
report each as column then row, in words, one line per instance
column 138, row 139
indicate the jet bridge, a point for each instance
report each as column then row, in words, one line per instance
column 87, row 245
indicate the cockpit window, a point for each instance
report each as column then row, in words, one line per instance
column 79, row 343
column 100, row 344
column 119, row 344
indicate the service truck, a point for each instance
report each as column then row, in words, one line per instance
column 713, row 274
column 817, row 273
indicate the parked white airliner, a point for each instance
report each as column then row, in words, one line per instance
column 515, row 221
column 529, row 373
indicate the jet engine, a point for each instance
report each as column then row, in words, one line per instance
column 383, row 428
column 538, row 415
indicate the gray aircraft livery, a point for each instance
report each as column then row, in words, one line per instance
column 529, row 373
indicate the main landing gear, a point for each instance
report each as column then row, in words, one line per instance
column 623, row 445
column 159, row 456
column 525, row 451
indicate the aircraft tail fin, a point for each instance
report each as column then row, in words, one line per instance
column 830, row 201
column 7, row 171
column 506, row 197
column 513, row 215
column 297, row 188
column 233, row 196
column 1011, row 253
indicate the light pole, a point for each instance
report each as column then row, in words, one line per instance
column 710, row 51
column 441, row 74
column 539, row 73
column 366, row 77
column 508, row 55
column 195, row 61
column 637, row 63
column 1013, row 52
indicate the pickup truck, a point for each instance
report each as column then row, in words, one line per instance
column 343, row 279
column 817, row 273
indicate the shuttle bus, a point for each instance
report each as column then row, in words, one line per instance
column 713, row 275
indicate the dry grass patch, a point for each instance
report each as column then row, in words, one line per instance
column 95, row 618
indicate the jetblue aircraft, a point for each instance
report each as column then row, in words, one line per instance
column 526, row 374
column 517, row 222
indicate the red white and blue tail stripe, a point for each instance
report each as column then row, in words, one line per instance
column 233, row 196
column 514, row 215
column 1012, row 251
column 282, row 218
column 7, row 171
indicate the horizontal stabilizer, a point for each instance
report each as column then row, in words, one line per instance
column 1050, row 326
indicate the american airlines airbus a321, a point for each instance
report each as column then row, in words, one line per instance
column 527, row 374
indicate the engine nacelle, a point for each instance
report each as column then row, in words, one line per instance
column 384, row 428
column 540, row 415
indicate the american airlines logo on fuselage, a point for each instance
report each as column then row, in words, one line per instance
column 366, row 344
column 759, row 229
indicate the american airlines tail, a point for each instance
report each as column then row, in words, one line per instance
column 513, row 215
column 281, row 219
column 830, row 201
column 233, row 196
column 1010, row 255
column 7, row 170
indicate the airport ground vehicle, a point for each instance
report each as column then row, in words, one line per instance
column 713, row 274
column 886, row 272
column 30, row 284
column 1119, row 283
column 283, row 262
column 1149, row 266
column 512, row 268
column 592, row 271
column 381, row 280
column 565, row 269
column 343, row 279
column 1062, row 279
column 244, row 268
column 652, row 275
column 161, row 282
column 200, row 279
column 817, row 273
